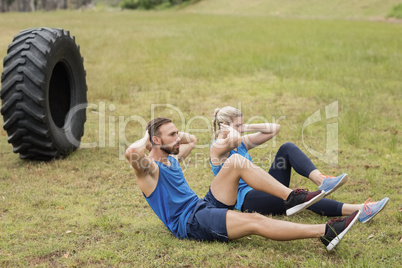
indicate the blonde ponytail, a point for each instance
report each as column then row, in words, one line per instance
column 215, row 122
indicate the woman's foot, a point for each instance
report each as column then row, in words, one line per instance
column 371, row 209
column 330, row 183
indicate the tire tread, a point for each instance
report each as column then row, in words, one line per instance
column 23, row 97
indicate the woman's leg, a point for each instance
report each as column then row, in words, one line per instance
column 328, row 207
column 263, row 203
column 266, row 204
column 288, row 156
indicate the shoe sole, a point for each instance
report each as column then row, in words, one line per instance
column 370, row 218
column 339, row 237
column 340, row 183
column 302, row 206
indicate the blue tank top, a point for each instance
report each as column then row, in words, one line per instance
column 243, row 187
column 172, row 200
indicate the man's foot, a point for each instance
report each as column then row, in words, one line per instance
column 330, row 184
column 336, row 229
column 370, row 209
column 300, row 199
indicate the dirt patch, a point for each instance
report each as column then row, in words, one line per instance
column 50, row 259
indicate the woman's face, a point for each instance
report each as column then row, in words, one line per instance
column 238, row 124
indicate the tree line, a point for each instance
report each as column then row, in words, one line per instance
column 48, row 5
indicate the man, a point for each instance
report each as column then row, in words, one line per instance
column 161, row 180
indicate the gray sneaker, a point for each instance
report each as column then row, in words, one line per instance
column 370, row 209
column 330, row 184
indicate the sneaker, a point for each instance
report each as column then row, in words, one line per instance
column 336, row 229
column 330, row 183
column 299, row 199
column 370, row 209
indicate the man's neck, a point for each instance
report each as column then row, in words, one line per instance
column 160, row 156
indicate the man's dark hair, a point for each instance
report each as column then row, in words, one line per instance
column 154, row 126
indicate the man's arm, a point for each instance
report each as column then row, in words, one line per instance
column 145, row 168
column 265, row 132
column 187, row 143
column 136, row 156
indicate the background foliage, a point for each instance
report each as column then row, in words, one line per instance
column 396, row 12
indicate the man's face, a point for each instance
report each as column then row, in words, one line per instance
column 169, row 138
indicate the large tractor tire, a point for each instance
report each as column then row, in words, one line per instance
column 44, row 94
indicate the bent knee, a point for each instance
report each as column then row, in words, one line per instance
column 287, row 146
column 255, row 222
column 237, row 161
column 257, row 217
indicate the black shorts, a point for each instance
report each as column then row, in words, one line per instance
column 208, row 220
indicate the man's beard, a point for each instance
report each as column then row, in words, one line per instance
column 169, row 150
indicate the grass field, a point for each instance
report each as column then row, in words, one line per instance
column 323, row 9
column 86, row 210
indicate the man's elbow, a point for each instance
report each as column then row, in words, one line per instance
column 130, row 152
column 193, row 139
column 278, row 128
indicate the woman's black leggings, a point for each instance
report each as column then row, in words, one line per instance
column 288, row 156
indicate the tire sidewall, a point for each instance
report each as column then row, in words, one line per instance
column 65, row 51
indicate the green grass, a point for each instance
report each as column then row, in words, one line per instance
column 87, row 210
column 341, row 9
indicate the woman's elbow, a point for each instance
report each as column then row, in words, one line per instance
column 237, row 141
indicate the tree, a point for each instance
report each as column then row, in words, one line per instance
column 5, row 5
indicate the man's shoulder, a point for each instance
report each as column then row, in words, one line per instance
column 148, row 168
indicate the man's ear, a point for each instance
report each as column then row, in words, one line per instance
column 156, row 140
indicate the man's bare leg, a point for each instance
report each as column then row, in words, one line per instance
column 243, row 224
column 240, row 224
column 225, row 185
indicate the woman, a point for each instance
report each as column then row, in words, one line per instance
column 229, row 125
